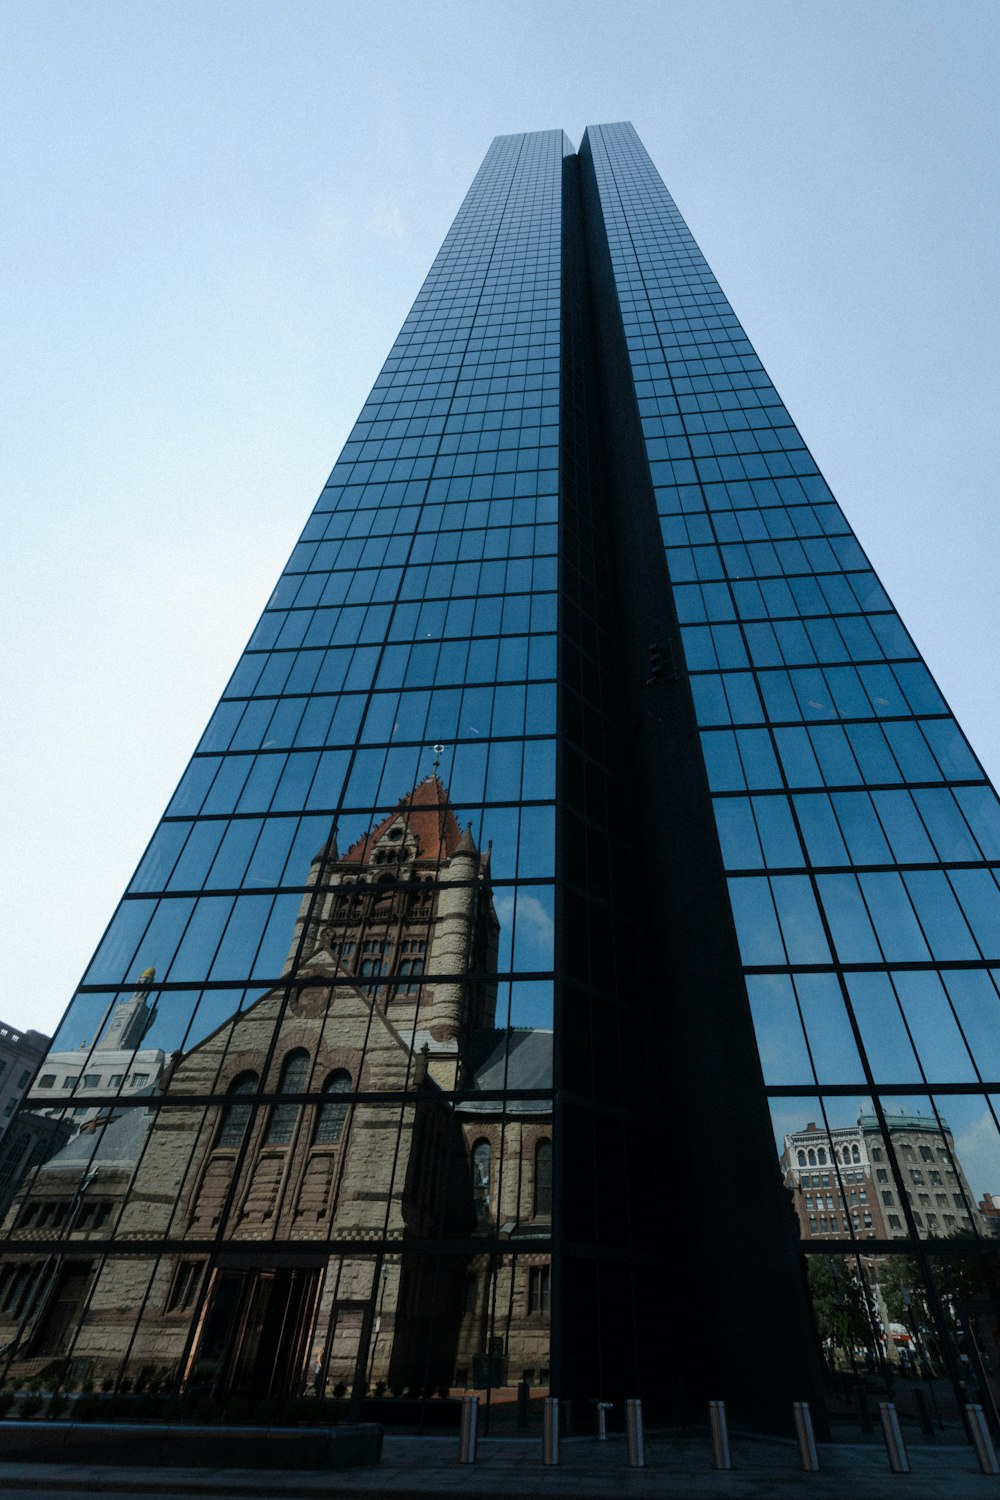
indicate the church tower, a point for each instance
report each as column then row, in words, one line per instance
column 407, row 913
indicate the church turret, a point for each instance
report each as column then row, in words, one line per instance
column 407, row 902
column 131, row 1018
column 454, row 939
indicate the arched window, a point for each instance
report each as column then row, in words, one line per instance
column 821, row 1157
column 481, row 1180
column 802, row 1158
column 294, row 1072
column 543, row 1179
column 333, row 1111
column 812, row 1157
column 856, row 1153
column 235, row 1117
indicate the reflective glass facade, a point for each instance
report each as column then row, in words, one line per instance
column 852, row 877
column 580, row 848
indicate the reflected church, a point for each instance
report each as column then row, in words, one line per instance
column 332, row 1173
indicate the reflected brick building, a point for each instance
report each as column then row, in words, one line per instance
column 20, row 1054
column 30, row 1140
column 743, row 876
column 843, row 1182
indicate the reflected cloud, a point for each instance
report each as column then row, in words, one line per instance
column 534, row 922
column 978, row 1146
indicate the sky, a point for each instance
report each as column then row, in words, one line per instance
column 216, row 216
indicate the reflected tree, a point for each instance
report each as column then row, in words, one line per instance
column 840, row 1302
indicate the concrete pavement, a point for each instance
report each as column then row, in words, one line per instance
column 511, row 1469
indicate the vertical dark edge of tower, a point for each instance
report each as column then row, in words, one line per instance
column 606, row 1264
column 726, row 1288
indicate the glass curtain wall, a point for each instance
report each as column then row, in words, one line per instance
column 302, row 1100
column 580, row 839
column 858, row 833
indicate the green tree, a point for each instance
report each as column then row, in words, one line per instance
column 903, row 1290
column 840, row 1301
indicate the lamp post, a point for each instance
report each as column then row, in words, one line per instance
column 377, row 1330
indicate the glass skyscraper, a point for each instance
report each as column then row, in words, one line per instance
column 569, row 962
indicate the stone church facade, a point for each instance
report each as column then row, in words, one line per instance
column 330, row 1190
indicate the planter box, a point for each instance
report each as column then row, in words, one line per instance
column 404, row 1411
column 150, row 1445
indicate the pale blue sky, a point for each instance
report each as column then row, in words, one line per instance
column 215, row 216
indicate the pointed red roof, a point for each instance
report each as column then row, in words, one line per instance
column 429, row 818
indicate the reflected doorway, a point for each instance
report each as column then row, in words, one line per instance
column 255, row 1338
column 57, row 1325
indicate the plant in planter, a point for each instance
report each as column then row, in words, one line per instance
column 58, row 1402
column 239, row 1409
column 267, row 1413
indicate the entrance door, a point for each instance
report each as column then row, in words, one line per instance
column 256, row 1334
column 55, row 1329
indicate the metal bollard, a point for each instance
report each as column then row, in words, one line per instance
column 523, row 1403
column 468, row 1436
column 603, row 1407
column 550, row 1430
column 985, row 1451
column 720, row 1434
column 899, row 1463
column 633, row 1434
column 804, row 1433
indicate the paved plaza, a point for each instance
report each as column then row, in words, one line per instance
column 512, row 1469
